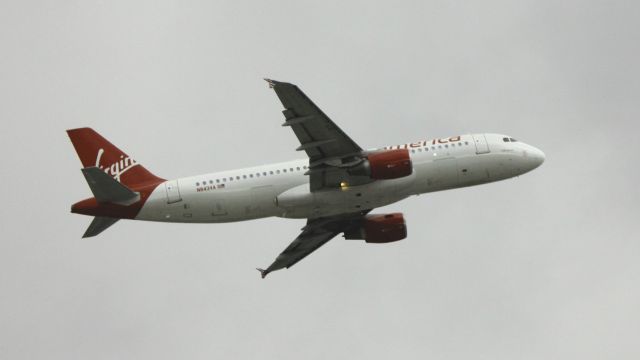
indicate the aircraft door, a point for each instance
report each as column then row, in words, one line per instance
column 173, row 191
column 482, row 147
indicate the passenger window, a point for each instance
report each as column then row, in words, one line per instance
column 298, row 168
column 284, row 170
column 277, row 171
column 218, row 181
column 224, row 179
column 250, row 175
column 264, row 173
column 237, row 177
column 197, row 184
column 244, row 176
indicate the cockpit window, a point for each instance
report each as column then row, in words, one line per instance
column 506, row 139
column 512, row 140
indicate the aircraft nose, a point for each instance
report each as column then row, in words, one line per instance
column 536, row 156
column 539, row 156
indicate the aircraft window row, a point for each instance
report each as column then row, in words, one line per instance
column 508, row 139
column 258, row 174
column 426, row 148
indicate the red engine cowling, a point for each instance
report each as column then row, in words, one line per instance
column 379, row 229
column 385, row 165
column 391, row 164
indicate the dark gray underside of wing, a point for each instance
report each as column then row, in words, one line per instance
column 330, row 150
column 317, row 232
column 319, row 137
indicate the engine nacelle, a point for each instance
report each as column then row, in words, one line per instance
column 379, row 228
column 385, row 165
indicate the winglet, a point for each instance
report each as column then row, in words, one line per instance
column 263, row 272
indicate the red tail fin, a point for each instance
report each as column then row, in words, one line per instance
column 94, row 150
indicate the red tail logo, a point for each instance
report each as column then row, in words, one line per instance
column 94, row 150
column 118, row 168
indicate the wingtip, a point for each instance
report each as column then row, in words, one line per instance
column 271, row 83
column 263, row 272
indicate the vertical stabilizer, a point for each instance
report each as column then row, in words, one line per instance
column 120, row 185
column 96, row 151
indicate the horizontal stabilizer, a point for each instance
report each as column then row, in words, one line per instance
column 98, row 225
column 107, row 189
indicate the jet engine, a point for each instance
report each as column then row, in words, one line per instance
column 385, row 165
column 379, row 228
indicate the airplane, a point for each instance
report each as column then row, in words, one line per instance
column 335, row 188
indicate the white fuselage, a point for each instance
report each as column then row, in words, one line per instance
column 282, row 189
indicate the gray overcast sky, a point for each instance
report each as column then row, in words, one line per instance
column 540, row 267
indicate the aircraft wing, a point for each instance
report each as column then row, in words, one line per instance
column 316, row 233
column 330, row 150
